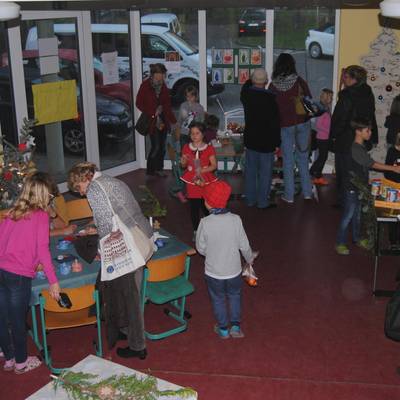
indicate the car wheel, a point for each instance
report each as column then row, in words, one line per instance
column 74, row 141
column 315, row 50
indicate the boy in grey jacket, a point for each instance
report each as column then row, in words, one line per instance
column 220, row 238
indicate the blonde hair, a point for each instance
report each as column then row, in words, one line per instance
column 80, row 172
column 35, row 195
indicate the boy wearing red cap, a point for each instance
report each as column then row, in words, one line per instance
column 220, row 238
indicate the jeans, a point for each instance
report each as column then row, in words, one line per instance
column 218, row 290
column 342, row 167
column 155, row 159
column 15, row 293
column 351, row 214
column 258, row 177
column 295, row 143
column 318, row 165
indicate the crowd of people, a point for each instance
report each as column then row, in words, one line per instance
column 277, row 118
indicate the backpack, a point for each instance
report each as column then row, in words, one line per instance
column 392, row 317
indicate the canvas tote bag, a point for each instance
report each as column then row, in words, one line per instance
column 123, row 250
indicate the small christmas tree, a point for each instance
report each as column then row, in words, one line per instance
column 15, row 163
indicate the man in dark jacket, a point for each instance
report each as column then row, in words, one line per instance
column 356, row 100
column 261, row 138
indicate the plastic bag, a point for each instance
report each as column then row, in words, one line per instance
column 248, row 272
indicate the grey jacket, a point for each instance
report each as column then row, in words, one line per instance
column 122, row 201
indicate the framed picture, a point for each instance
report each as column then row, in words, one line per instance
column 229, row 75
column 244, row 56
column 171, row 56
column 217, row 56
column 256, row 57
column 244, row 75
column 228, row 56
column 217, row 75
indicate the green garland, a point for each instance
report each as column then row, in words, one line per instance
column 82, row 386
column 149, row 203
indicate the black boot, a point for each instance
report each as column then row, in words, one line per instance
column 126, row 352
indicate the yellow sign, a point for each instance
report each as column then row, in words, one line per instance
column 55, row 101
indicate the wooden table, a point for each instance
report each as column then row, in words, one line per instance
column 104, row 369
column 231, row 148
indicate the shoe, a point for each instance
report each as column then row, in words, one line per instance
column 235, row 332
column 9, row 365
column 286, row 200
column 126, row 352
column 182, row 198
column 272, row 205
column 30, row 364
column 222, row 333
column 342, row 250
column 161, row 174
column 364, row 244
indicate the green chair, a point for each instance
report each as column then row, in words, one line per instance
column 53, row 316
column 166, row 282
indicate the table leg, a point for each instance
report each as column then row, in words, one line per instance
column 377, row 249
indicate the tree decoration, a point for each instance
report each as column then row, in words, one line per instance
column 83, row 386
column 149, row 203
column 15, row 163
column 382, row 64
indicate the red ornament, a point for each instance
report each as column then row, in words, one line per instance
column 22, row 146
column 8, row 176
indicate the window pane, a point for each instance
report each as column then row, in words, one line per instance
column 110, row 34
column 60, row 144
column 235, row 46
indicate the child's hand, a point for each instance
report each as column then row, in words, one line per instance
column 54, row 290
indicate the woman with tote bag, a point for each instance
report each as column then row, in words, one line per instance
column 108, row 197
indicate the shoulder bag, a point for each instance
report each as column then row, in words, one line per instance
column 144, row 124
column 298, row 101
column 123, row 250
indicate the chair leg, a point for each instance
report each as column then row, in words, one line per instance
column 99, row 349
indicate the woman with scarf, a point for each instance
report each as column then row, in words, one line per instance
column 153, row 99
column 288, row 87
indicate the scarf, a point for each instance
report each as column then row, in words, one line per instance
column 157, row 86
column 285, row 83
column 217, row 211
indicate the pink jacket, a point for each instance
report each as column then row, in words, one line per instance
column 24, row 244
column 323, row 126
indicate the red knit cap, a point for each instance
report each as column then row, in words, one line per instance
column 216, row 194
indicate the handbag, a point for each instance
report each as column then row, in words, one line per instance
column 392, row 317
column 298, row 102
column 86, row 247
column 144, row 124
column 123, row 250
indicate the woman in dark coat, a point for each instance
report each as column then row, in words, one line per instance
column 153, row 99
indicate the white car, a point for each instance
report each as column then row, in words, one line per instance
column 165, row 20
column 321, row 42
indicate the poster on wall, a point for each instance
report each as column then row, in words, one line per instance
column 229, row 76
column 55, row 101
column 172, row 62
column 244, row 56
column 217, row 75
column 110, row 68
column 244, row 75
column 217, row 56
column 228, row 56
column 256, row 57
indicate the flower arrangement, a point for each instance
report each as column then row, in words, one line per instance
column 15, row 163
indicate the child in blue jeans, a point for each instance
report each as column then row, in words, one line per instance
column 220, row 238
column 361, row 163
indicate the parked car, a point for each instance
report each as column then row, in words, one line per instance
column 252, row 22
column 155, row 41
column 321, row 42
column 165, row 20
column 114, row 119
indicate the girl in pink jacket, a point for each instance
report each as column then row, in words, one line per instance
column 322, row 126
column 24, row 243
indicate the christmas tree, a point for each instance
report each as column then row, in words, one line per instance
column 382, row 64
column 15, row 163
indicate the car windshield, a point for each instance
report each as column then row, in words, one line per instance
column 183, row 46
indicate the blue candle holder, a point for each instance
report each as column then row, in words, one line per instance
column 63, row 244
column 40, row 275
column 65, row 268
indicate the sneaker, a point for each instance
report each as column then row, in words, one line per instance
column 222, row 333
column 342, row 250
column 364, row 244
column 236, row 332
column 9, row 365
column 31, row 363
column 286, row 200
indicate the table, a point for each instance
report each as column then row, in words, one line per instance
column 382, row 218
column 104, row 369
column 231, row 147
column 173, row 246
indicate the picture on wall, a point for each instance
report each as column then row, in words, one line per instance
column 229, row 76
column 243, row 75
column 256, row 57
column 244, row 56
column 217, row 75
column 217, row 56
column 172, row 56
column 228, row 56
